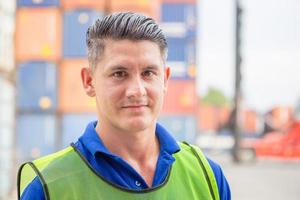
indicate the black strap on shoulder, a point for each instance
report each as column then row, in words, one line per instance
column 45, row 188
column 203, row 169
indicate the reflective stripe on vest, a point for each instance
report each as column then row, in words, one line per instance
column 67, row 175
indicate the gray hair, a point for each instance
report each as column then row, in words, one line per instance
column 119, row 26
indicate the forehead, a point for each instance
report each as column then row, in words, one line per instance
column 141, row 51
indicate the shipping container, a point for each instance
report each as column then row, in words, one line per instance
column 182, row 127
column 37, row 3
column 181, row 50
column 282, row 117
column 75, row 25
column 79, row 4
column 72, row 97
column 208, row 118
column 35, row 135
column 174, row 29
column 182, row 70
column 149, row 7
column 38, row 34
column 37, row 86
column 249, row 122
column 180, row 97
column 73, row 126
column 181, row 12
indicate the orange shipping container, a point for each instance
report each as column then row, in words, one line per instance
column 208, row 118
column 74, row 4
column 72, row 97
column 282, row 117
column 148, row 7
column 38, row 34
column 249, row 122
column 180, row 97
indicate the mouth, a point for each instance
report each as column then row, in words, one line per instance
column 135, row 106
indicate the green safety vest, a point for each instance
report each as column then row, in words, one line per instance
column 66, row 175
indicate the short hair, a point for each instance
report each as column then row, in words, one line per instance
column 124, row 25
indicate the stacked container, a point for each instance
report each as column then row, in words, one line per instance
column 178, row 21
column 38, row 51
column 7, row 94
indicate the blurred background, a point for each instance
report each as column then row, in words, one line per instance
column 233, row 89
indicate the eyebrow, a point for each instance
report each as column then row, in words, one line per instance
column 152, row 67
column 115, row 68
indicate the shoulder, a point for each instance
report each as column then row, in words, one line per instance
column 223, row 186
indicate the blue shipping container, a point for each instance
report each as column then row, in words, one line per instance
column 35, row 135
column 37, row 87
column 75, row 25
column 182, row 50
column 73, row 126
column 171, row 12
column 37, row 3
column 182, row 127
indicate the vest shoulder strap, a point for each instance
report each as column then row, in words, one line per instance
column 205, row 166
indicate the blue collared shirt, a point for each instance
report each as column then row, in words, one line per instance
column 119, row 172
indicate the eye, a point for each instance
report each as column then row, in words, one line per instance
column 119, row 74
column 148, row 73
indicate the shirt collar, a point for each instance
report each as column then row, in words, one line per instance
column 91, row 140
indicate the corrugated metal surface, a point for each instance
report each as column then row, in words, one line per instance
column 182, row 12
column 182, row 50
column 75, row 26
column 73, row 126
column 182, row 127
column 37, row 3
column 148, row 7
column 36, row 83
column 180, row 97
column 177, row 49
column 72, row 97
column 75, row 4
column 35, row 135
column 38, row 34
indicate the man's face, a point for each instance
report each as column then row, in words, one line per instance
column 129, row 83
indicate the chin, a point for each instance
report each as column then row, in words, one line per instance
column 138, row 125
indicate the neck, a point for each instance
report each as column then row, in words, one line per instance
column 140, row 149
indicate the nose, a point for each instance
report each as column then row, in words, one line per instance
column 136, row 87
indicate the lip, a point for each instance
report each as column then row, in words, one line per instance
column 134, row 106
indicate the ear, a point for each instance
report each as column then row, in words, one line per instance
column 167, row 74
column 87, row 81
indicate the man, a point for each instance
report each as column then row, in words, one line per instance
column 125, row 154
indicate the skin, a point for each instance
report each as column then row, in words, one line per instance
column 129, row 84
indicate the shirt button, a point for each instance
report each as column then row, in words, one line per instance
column 137, row 183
